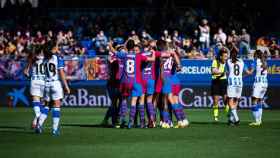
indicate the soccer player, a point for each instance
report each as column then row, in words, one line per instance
column 37, row 83
column 259, row 88
column 219, row 82
column 133, row 81
column 168, row 57
column 149, row 77
column 178, row 108
column 113, row 88
column 236, row 67
column 53, row 90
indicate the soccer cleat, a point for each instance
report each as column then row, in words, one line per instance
column 216, row 119
column 185, row 123
column 237, row 123
column 129, row 125
column 165, row 125
column 255, row 124
column 56, row 132
column 38, row 129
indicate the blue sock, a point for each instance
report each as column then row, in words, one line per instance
column 142, row 114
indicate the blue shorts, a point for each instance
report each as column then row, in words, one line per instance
column 175, row 79
column 167, row 87
column 149, row 86
column 137, row 90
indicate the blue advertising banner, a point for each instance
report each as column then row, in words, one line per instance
column 195, row 93
column 198, row 72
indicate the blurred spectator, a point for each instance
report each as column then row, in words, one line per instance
column 146, row 36
column 244, row 45
column 134, row 37
column 204, row 37
column 220, row 37
column 177, row 40
column 263, row 46
column 166, row 37
column 233, row 38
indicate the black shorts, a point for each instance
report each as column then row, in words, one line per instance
column 219, row 87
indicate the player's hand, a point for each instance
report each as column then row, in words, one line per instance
column 67, row 90
column 179, row 68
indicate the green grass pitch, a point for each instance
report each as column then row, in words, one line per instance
column 80, row 137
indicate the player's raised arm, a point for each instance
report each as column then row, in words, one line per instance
column 153, row 57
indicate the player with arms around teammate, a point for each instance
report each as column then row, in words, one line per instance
column 236, row 67
column 132, row 81
column 53, row 91
column 259, row 87
column 219, row 81
column 37, row 80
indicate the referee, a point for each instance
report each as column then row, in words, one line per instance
column 219, row 81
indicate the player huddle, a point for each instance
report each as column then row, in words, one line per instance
column 46, row 72
column 145, row 75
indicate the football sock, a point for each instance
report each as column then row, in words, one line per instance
column 132, row 114
column 255, row 111
column 141, row 109
column 123, row 111
column 44, row 115
column 259, row 113
column 234, row 113
column 37, row 110
column 176, row 110
column 215, row 110
column 56, row 118
column 151, row 111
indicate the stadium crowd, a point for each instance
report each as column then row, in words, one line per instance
column 84, row 40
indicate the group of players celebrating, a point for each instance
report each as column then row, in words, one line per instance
column 145, row 77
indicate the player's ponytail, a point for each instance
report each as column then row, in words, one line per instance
column 233, row 55
column 48, row 49
column 260, row 55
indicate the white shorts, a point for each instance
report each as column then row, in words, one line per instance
column 259, row 91
column 53, row 91
column 37, row 88
column 234, row 92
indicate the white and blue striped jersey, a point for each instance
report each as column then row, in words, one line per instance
column 235, row 71
column 261, row 73
column 53, row 66
column 38, row 69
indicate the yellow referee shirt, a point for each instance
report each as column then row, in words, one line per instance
column 220, row 67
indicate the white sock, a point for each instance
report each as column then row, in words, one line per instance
column 56, row 117
column 43, row 115
column 255, row 112
column 259, row 116
column 37, row 111
column 234, row 113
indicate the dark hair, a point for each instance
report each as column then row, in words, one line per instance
column 233, row 55
column 48, row 47
column 130, row 44
column 220, row 54
column 161, row 45
column 260, row 55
